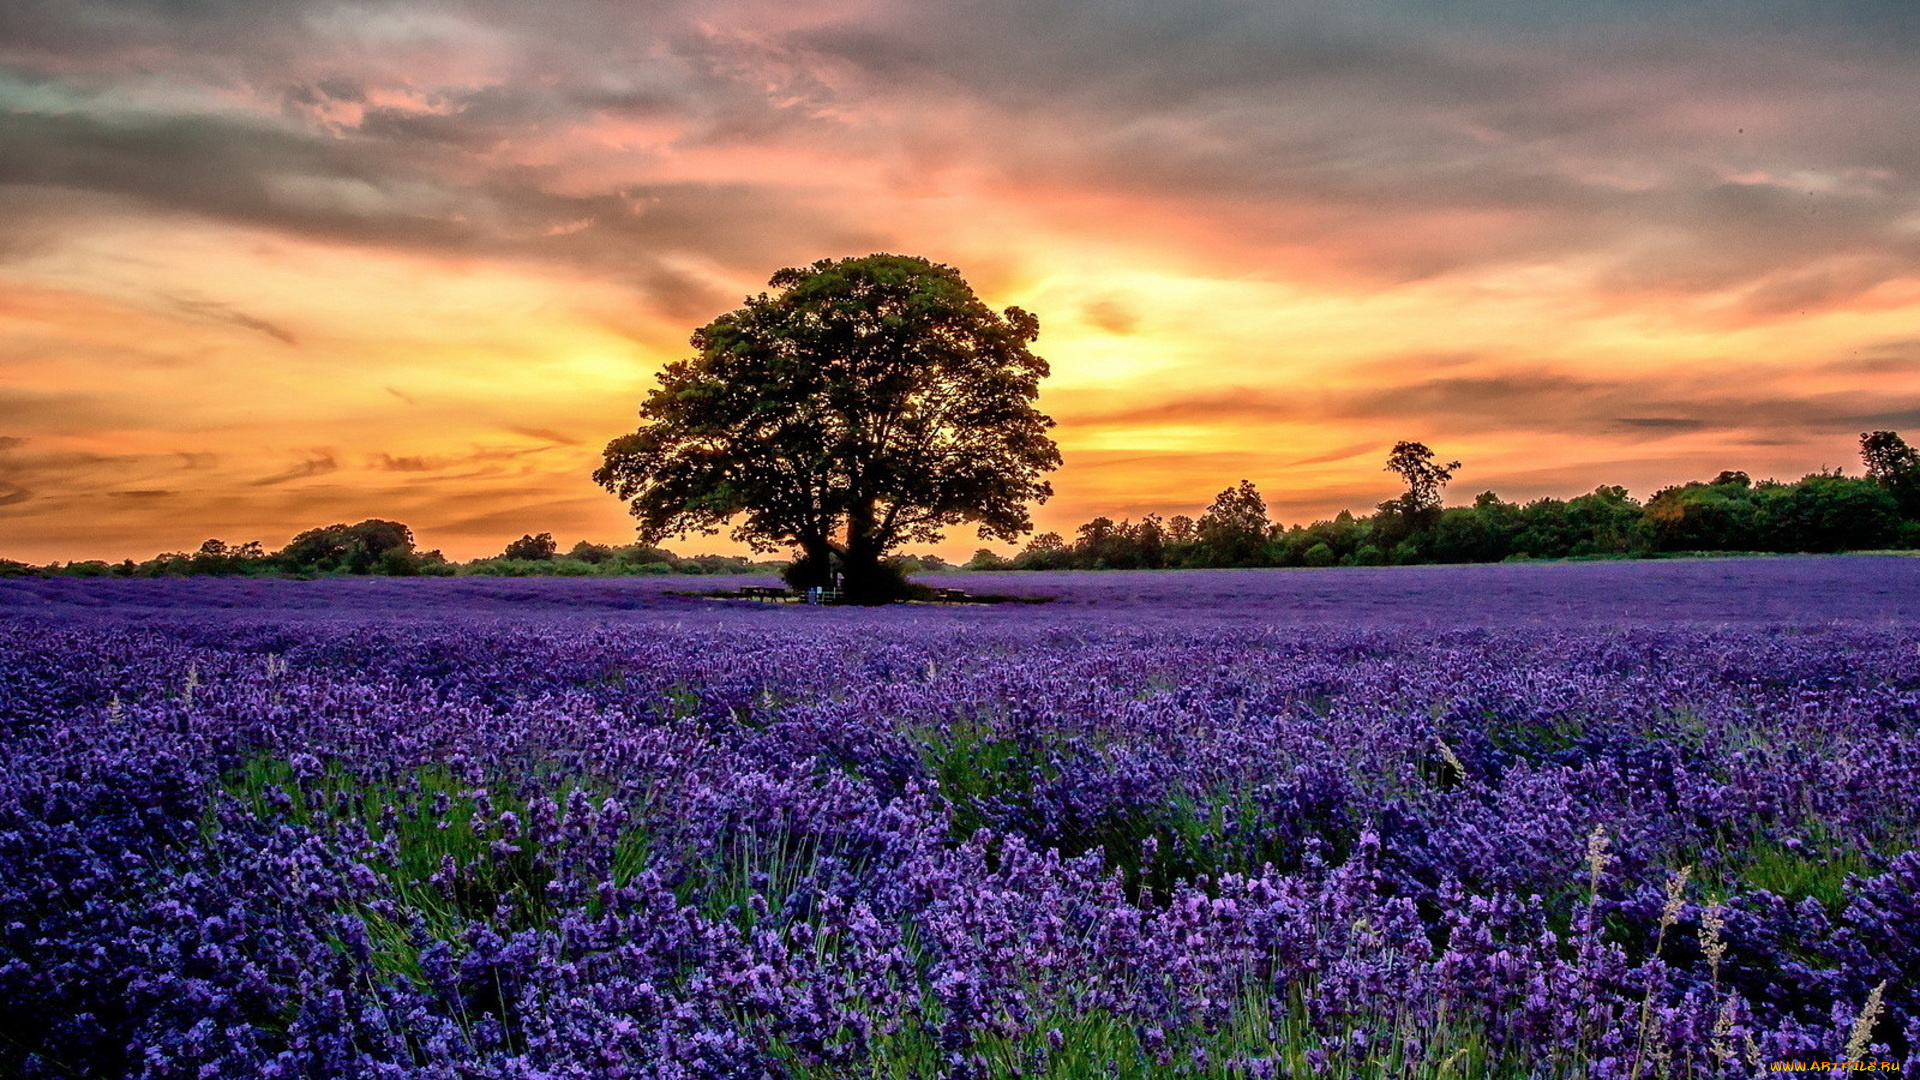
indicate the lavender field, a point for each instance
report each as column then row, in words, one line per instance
column 1650, row 819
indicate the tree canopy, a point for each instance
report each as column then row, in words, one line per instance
column 864, row 404
column 1234, row 528
column 1893, row 465
column 1424, row 477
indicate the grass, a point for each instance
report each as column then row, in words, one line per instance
column 1258, row 1039
column 419, row 824
column 1816, row 868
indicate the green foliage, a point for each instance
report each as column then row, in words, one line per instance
column 1797, row 873
column 988, row 559
column 1045, row 552
column 1822, row 512
column 592, row 554
column 1233, row 531
column 1262, row 1035
column 89, row 569
column 432, row 820
column 980, row 773
column 1810, row 861
column 1414, row 464
column 1895, row 466
column 531, row 548
column 351, row 549
column 632, row 560
column 1826, row 512
column 1126, row 545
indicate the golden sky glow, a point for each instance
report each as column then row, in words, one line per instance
column 270, row 266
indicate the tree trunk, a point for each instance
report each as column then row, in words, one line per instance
column 867, row 582
column 813, row 569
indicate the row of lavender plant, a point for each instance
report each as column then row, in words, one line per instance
column 854, row 847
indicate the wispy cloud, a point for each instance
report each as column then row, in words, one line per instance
column 227, row 313
column 545, row 435
column 318, row 465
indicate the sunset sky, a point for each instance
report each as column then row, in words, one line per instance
column 271, row 265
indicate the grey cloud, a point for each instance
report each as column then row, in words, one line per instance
column 516, row 514
column 1368, row 130
column 228, row 314
column 390, row 463
column 1400, row 140
column 1342, row 454
column 141, row 494
column 1523, row 401
column 1894, row 418
column 1885, row 358
column 63, row 411
column 547, row 434
column 1661, row 423
column 681, row 296
column 26, row 472
column 318, row 465
column 223, row 169
column 393, row 193
column 1112, row 315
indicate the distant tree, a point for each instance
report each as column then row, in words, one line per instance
column 375, row 539
column 1827, row 512
column 1047, row 551
column 355, row 549
column 1703, row 517
column 989, row 559
column 1399, row 519
column 532, row 547
column 316, row 549
column 220, row 557
column 1895, row 466
column 1098, row 547
column 592, row 554
column 866, row 403
column 1233, row 531
column 1149, row 541
column 1424, row 477
column 1604, row 519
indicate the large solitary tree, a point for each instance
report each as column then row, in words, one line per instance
column 864, row 404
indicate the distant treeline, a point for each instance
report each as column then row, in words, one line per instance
column 386, row 548
column 1821, row 512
